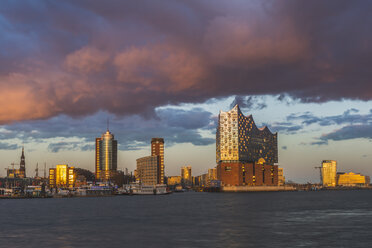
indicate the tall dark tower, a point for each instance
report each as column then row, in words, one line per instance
column 22, row 165
column 157, row 149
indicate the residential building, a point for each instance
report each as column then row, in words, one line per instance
column 157, row 149
column 148, row 170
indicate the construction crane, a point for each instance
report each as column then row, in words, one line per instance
column 320, row 173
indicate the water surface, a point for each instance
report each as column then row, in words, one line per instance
column 261, row 219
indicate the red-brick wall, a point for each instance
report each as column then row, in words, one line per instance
column 234, row 175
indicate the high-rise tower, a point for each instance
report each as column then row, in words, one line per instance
column 106, row 156
column 157, row 149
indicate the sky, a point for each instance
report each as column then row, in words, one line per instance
column 166, row 69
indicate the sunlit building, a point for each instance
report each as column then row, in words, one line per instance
column 18, row 173
column 157, row 149
column 212, row 174
column 352, row 180
column 62, row 176
column 186, row 175
column 329, row 173
column 106, row 156
column 281, row 177
column 245, row 154
column 174, row 180
column 148, row 170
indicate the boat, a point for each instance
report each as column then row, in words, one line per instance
column 140, row 189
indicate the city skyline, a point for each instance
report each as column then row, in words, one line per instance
column 68, row 66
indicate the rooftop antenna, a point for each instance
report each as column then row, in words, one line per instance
column 108, row 124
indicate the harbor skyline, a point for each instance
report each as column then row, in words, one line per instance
column 167, row 69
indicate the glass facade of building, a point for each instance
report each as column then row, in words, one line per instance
column 329, row 173
column 351, row 180
column 106, row 156
column 62, row 176
column 238, row 139
column 186, row 175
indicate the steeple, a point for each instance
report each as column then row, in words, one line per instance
column 22, row 164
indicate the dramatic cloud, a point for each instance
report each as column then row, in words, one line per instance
column 7, row 146
column 80, row 57
column 249, row 103
column 350, row 132
column 132, row 133
column 348, row 117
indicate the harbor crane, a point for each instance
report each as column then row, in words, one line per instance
column 320, row 173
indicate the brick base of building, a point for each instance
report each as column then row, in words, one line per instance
column 251, row 174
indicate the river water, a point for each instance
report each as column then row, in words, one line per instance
column 261, row 219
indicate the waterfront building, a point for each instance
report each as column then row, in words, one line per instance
column 106, row 156
column 212, row 174
column 245, row 154
column 186, row 175
column 281, row 177
column 329, row 173
column 157, row 149
column 174, row 180
column 352, row 180
column 18, row 173
column 62, row 176
column 148, row 170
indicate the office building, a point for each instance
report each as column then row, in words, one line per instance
column 186, row 175
column 157, row 149
column 245, row 154
column 329, row 173
column 106, row 156
column 148, row 170
column 62, row 176
column 352, row 180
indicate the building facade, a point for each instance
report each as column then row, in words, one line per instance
column 281, row 177
column 329, row 173
column 148, row 170
column 245, row 154
column 106, row 156
column 186, row 175
column 62, row 176
column 352, row 180
column 174, row 180
column 157, row 149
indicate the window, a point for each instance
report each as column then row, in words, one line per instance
column 228, row 168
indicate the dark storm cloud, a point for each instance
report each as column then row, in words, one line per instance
column 7, row 146
column 249, row 102
column 284, row 127
column 132, row 133
column 129, row 57
column 350, row 116
column 350, row 132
